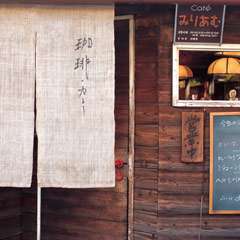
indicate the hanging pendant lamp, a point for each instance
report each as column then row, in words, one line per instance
column 226, row 65
column 185, row 72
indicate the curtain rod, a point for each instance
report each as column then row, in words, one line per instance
column 70, row 2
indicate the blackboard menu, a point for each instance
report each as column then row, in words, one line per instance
column 224, row 163
column 199, row 23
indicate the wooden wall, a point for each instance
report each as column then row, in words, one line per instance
column 29, row 204
column 182, row 186
column 10, row 214
column 168, row 193
column 18, row 211
column 146, row 135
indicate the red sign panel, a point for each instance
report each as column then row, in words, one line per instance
column 199, row 23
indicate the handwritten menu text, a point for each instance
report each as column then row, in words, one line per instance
column 226, row 163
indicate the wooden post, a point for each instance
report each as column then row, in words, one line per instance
column 130, row 18
column 131, row 126
column 39, row 213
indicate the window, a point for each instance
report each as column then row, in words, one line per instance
column 206, row 76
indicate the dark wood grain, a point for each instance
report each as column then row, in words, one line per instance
column 181, row 186
column 10, row 214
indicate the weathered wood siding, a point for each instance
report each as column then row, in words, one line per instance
column 146, row 135
column 29, row 214
column 29, row 204
column 168, row 192
column 181, row 186
column 18, row 211
column 10, row 214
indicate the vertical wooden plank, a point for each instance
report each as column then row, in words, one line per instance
column 211, row 166
column 131, row 126
column 131, row 121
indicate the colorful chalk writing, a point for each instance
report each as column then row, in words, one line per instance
column 225, row 170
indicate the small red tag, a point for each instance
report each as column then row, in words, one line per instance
column 119, row 163
column 119, row 175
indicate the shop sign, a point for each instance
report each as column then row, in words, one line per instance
column 192, row 137
column 199, row 23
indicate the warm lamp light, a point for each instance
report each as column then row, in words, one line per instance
column 185, row 72
column 225, row 66
column 228, row 54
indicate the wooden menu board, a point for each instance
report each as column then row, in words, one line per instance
column 192, row 137
column 224, row 193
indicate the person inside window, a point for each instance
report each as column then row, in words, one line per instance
column 233, row 95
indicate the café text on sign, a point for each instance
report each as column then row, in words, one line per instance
column 199, row 23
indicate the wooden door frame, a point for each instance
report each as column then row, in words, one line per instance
column 131, row 126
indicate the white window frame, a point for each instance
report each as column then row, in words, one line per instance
column 176, row 102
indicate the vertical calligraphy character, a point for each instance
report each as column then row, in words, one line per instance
column 82, row 91
column 87, row 61
column 82, row 63
column 183, row 21
column 90, row 42
column 191, row 125
column 204, row 21
column 83, row 42
column 191, row 152
column 191, row 18
column 80, row 43
column 196, row 21
column 83, row 105
column 214, row 21
column 79, row 63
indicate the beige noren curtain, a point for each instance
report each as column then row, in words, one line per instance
column 75, row 97
column 70, row 53
column 17, row 80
